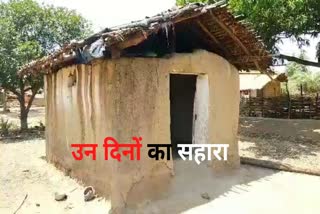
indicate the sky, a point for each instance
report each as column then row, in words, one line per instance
column 289, row 47
column 109, row 13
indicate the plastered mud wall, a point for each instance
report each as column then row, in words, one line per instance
column 272, row 89
column 129, row 97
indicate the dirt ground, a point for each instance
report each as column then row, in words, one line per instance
column 248, row 190
column 293, row 142
column 36, row 115
column 23, row 170
column 195, row 189
column 286, row 152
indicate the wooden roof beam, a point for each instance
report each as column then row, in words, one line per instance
column 205, row 29
column 134, row 40
column 237, row 40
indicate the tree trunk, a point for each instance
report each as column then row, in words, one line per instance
column 23, row 114
column 25, row 109
column 5, row 106
column 24, row 120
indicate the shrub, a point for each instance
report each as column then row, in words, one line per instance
column 5, row 126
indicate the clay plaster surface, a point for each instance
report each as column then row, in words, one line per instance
column 129, row 97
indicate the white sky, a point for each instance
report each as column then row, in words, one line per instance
column 108, row 13
column 290, row 48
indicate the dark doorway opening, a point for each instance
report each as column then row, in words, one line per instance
column 182, row 93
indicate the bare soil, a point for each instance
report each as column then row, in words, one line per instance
column 293, row 142
column 36, row 116
column 24, row 171
column 302, row 155
column 195, row 189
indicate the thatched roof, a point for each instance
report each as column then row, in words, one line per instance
column 195, row 26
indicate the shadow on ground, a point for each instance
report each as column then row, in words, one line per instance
column 17, row 136
column 280, row 138
column 279, row 149
column 195, row 185
column 36, row 120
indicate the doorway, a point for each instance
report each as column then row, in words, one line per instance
column 182, row 95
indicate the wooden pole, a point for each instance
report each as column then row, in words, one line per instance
column 249, row 103
column 316, row 107
column 289, row 100
column 262, row 106
column 301, row 100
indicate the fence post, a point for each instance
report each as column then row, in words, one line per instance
column 249, row 106
column 262, row 106
column 289, row 107
column 316, row 105
column 311, row 107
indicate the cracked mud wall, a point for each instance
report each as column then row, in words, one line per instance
column 129, row 97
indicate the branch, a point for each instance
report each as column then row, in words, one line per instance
column 34, row 92
column 14, row 91
column 27, row 89
column 298, row 60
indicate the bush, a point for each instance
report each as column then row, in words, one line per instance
column 5, row 126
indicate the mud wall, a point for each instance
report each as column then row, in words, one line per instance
column 130, row 97
column 272, row 89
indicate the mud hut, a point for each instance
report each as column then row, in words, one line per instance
column 169, row 78
column 257, row 84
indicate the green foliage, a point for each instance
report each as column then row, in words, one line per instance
column 29, row 31
column 5, row 126
column 299, row 75
column 309, row 81
column 294, row 68
column 184, row 2
column 277, row 19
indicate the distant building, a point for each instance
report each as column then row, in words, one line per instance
column 257, row 84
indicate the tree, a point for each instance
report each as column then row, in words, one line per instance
column 278, row 19
column 302, row 79
column 308, row 81
column 293, row 68
column 29, row 31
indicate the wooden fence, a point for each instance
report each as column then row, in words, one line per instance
column 281, row 107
